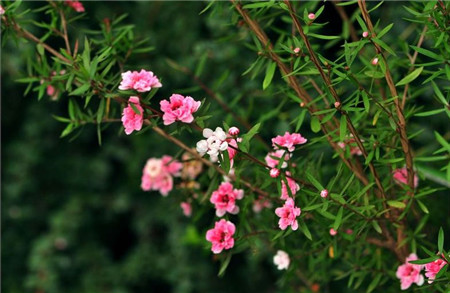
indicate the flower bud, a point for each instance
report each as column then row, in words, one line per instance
column 311, row 16
column 233, row 131
column 337, row 105
column 297, row 50
column 274, row 172
column 333, row 232
column 324, row 193
column 365, row 34
column 374, row 61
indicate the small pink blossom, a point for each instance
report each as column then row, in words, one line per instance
column 337, row 105
column 311, row 16
column 281, row 260
column 187, row 208
column 142, row 81
column 224, row 199
column 158, row 174
column 324, row 193
column 51, row 90
column 293, row 186
column 274, row 172
column 333, row 232
column 179, row 108
column 433, row 268
column 288, row 214
column 409, row 273
column 221, row 236
column 273, row 158
column 365, row 34
column 297, row 50
column 288, row 141
column 2, row 11
column 260, row 204
column 130, row 119
column 232, row 146
column 349, row 231
column 233, row 131
column 401, row 176
column 76, row 5
column 374, row 61
column 351, row 143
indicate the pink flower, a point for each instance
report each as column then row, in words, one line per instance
column 374, row 61
column 187, row 208
column 337, row 105
column 2, row 11
column 288, row 141
column 293, row 186
column 273, row 158
column 158, row 174
column 231, row 151
column 333, row 232
column 130, row 119
column 142, row 81
column 179, row 108
column 221, row 236
column 274, row 172
column 233, row 131
column 409, row 273
column 288, row 214
column 324, row 193
column 281, row 260
column 401, row 176
column 50, row 90
column 225, row 198
column 433, row 268
column 365, row 34
column 260, row 204
column 311, row 16
column 76, row 5
column 297, row 50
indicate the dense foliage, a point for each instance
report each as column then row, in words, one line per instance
column 364, row 186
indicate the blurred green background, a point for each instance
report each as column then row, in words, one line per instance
column 74, row 218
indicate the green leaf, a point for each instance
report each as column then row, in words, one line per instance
column 396, row 204
column 270, row 70
column 315, row 124
column 385, row 30
column 305, row 229
column 245, row 144
column 442, row 141
column 377, row 227
column 439, row 94
column 428, row 53
column 423, row 207
column 338, row 220
column 314, row 182
column 323, row 37
column 430, row 113
column 135, row 109
column 441, row 240
column 40, row 49
column 224, row 265
column 425, row 260
column 225, row 161
column 410, row 77
column 374, row 283
column 384, row 46
column 101, row 110
column 81, row 90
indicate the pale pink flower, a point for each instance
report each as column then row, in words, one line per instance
column 76, row 5
column 274, row 172
column 142, row 81
column 433, row 268
column 324, row 193
column 281, row 260
column 401, row 176
column 51, row 90
column 297, row 50
column 293, row 186
column 224, row 199
column 374, row 61
column 288, row 214
column 337, row 105
column 130, row 119
column 179, row 108
column 273, row 158
column 409, row 273
column 260, row 204
column 221, row 236
column 311, row 16
column 365, row 34
column 158, row 174
column 333, row 232
column 187, row 208
column 2, row 11
column 288, row 141
column 233, row 131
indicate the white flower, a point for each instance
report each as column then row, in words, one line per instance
column 202, row 147
column 215, row 143
column 281, row 260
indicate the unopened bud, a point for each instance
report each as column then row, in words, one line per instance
column 337, row 105
column 311, row 16
column 274, row 172
column 365, row 34
column 302, row 104
column 233, row 131
column 297, row 50
column 333, row 232
column 324, row 193
column 374, row 61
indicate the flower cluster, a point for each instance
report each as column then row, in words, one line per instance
column 215, row 142
column 76, row 5
column 401, row 177
column 179, row 108
column 221, row 236
column 158, row 174
column 131, row 119
column 224, row 199
column 142, row 81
